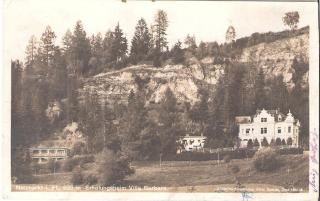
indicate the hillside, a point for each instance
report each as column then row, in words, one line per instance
column 185, row 80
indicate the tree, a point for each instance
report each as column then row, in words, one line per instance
column 160, row 28
column 191, row 44
column 283, row 142
column 47, row 47
column 264, row 142
column 260, row 95
column 278, row 142
column 202, row 50
column 289, row 141
column 250, row 144
column 31, row 51
column 80, row 49
column 291, row 19
column 119, row 44
column 141, row 42
column 272, row 143
column 256, row 143
column 169, row 129
column 177, row 53
column 113, row 168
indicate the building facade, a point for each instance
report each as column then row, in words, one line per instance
column 268, row 124
column 44, row 154
column 191, row 143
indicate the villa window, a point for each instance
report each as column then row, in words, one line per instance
column 289, row 129
column 247, row 130
column 191, row 141
column 279, row 130
column 264, row 130
column 263, row 119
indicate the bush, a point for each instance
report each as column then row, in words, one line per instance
column 266, row 159
column 227, row 158
column 90, row 179
column 70, row 163
column 264, row 142
column 77, row 177
column 256, row 143
column 290, row 151
column 113, row 168
column 249, row 144
column 78, row 148
column 235, row 169
column 289, row 141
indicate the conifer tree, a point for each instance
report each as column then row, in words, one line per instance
column 119, row 44
column 31, row 51
column 47, row 46
column 141, row 42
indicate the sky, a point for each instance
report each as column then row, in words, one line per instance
column 207, row 21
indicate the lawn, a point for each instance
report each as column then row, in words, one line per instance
column 206, row 176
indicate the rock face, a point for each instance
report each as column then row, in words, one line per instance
column 274, row 58
column 184, row 81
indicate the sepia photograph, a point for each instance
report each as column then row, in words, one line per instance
column 162, row 97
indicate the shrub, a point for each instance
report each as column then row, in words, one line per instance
column 227, row 158
column 266, row 159
column 70, row 163
column 272, row 143
column 113, row 168
column 77, row 177
column 264, row 142
column 235, row 169
column 90, row 179
column 78, row 148
column 256, row 143
column 283, row 142
column 289, row 141
column 278, row 142
column 290, row 151
column 249, row 144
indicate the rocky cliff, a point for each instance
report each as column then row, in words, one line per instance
column 274, row 58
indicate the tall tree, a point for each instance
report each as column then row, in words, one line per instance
column 260, row 94
column 141, row 42
column 119, row 44
column 31, row 51
column 160, row 28
column 80, row 49
column 47, row 46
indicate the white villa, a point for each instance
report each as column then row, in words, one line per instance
column 269, row 124
column 191, row 143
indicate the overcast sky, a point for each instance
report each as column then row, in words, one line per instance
column 208, row 21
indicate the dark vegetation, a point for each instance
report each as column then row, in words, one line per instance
column 54, row 73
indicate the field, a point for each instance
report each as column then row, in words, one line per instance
column 204, row 176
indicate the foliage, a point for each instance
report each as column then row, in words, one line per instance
column 266, row 159
column 256, row 143
column 113, row 168
column 289, row 141
column 250, row 144
column 77, row 177
column 264, row 142
column 141, row 42
column 291, row 19
column 177, row 53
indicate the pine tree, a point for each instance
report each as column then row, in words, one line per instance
column 31, row 51
column 260, row 95
column 119, row 44
column 160, row 28
column 80, row 48
column 141, row 42
column 191, row 44
column 47, row 46
column 177, row 53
